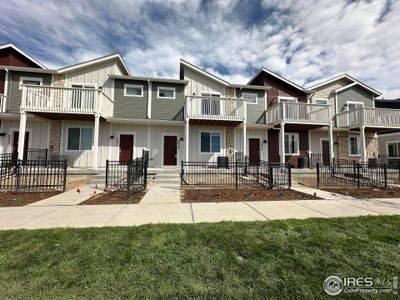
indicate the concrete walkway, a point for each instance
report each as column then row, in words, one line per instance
column 32, row 217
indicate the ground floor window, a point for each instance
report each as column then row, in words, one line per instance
column 210, row 142
column 291, row 143
column 393, row 149
column 355, row 145
column 80, row 138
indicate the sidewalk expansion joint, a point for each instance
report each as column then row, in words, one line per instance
column 257, row 211
column 191, row 211
column 305, row 206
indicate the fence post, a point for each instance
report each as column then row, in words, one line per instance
column 358, row 176
column 107, row 166
column 65, row 174
column 128, row 175
column 290, row 174
column 245, row 165
column 270, row 178
column 236, row 174
column 385, row 174
column 145, row 172
column 17, row 174
column 318, row 176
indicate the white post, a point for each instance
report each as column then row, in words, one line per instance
column 244, row 139
column 331, row 154
column 266, row 145
column 187, row 140
column 282, row 143
column 363, row 144
column 96, row 140
column 21, row 135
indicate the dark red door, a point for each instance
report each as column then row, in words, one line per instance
column 15, row 144
column 254, row 150
column 170, row 150
column 325, row 153
column 125, row 147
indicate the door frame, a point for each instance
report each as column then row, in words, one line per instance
column 177, row 148
column 259, row 142
column 11, row 141
column 127, row 132
column 321, row 148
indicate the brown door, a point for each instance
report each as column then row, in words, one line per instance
column 125, row 147
column 325, row 153
column 15, row 144
column 170, row 150
column 254, row 150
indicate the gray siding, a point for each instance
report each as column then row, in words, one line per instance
column 15, row 94
column 356, row 94
column 168, row 109
column 255, row 112
column 129, row 107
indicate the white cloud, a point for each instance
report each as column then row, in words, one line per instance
column 302, row 40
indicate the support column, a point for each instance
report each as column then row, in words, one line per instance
column 244, row 139
column 96, row 140
column 331, row 154
column 21, row 135
column 282, row 143
column 266, row 145
column 187, row 140
column 363, row 145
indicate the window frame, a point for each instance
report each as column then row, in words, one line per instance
column 250, row 93
column 322, row 99
column 166, row 88
column 128, row 85
column 80, row 135
column 358, row 146
column 88, row 86
column 296, row 134
column 280, row 98
column 397, row 143
column 22, row 78
column 211, row 133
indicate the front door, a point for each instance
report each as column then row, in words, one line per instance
column 325, row 153
column 15, row 144
column 125, row 147
column 254, row 151
column 170, row 150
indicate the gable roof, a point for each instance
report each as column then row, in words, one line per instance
column 201, row 71
column 27, row 56
column 347, row 76
column 114, row 56
column 295, row 85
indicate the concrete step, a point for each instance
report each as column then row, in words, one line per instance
column 167, row 176
column 163, row 170
column 172, row 180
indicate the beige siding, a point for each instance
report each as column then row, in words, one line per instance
column 252, row 133
column 384, row 139
column 199, row 83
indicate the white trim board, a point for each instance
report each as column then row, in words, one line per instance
column 12, row 46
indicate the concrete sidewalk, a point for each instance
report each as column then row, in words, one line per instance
column 51, row 216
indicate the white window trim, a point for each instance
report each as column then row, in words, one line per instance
column 296, row 134
column 287, row 98
column 166, row 88
column 354, row 102
column 133, row 86
column 80, row 133
column 250, row 94
column 22, row 78
column 220, row 142
column 211, row 93
column 387, row 149
column 84, row 85
column 321, row 99
column 358, row 146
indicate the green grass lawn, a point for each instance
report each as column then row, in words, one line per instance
column 277, row 259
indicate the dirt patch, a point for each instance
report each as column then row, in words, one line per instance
column 10, row 199
column 115, row 197
column 364, row 193
column 74, row 181
column 233, row 195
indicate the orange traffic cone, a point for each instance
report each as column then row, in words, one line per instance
column 78, row 190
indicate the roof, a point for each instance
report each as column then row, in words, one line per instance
column 250, row 87
column 27, row 69
column 141, row 78
column 114, row 56
column 201, row 71
column 387, row 103
column 12, row 46
column 354, row 80
column 299, row 87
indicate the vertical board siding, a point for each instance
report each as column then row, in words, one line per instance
column 251, row 133
column 199, row 83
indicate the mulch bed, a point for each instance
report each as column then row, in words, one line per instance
column 10, row 199
column 363, row 193
column 237, row 195
column 115, row 197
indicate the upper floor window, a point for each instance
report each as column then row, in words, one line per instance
column 80, row 138
column 287, row 99
column 292, row 143
column 31, row 80
column 132, row 90
column 393, row 149
column 250, row 97
column 355, row 146
column 166, row 92
column 321, row 101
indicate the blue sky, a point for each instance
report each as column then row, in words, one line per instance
column 305, row 41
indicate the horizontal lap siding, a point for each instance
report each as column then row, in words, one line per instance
column 255, row 112
column 129, row 107
column 15, row 94
column 168, row 109
column 354, row 93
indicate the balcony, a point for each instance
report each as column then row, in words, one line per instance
column 215, row 110
column 62, row 100
column 3, row 103
column 301, row 115
column 373, row 119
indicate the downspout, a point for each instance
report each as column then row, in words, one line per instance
column 6, row 88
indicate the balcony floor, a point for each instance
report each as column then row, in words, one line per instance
column 64, row 116
column 376, row 129
column 296, row 126
column 209, row 122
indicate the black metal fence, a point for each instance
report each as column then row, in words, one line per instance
column 356, row 174
column 127, row 175
column 37, row 154
column 235, row 174
column 29, row 175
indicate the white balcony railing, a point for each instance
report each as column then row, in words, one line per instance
column 298, row 113
column 215, row 108
column 65, row 100
column 369, row 117
column 3, row 103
